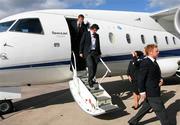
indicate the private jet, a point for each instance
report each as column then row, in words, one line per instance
column 35, row 49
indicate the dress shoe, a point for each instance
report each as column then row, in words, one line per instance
column 96, row 86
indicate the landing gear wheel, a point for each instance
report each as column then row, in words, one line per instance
column 178, row 72
column 6, row 106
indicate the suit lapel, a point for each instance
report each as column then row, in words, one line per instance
column 75, row 25
column 89, row 37
column 156, row 66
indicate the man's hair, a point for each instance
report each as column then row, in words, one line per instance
column 80, row 16
column 94, row 26
column 149, row 48
column 145, row 51
column 139, row 53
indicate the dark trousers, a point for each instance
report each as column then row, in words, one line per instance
column 158, row 107
column 80, row 62
column 91, row 62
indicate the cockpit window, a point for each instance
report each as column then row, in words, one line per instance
column 28, row 26
column 5, row 26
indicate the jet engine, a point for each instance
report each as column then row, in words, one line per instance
column 168, row 67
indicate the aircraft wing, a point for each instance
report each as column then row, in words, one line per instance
column 169, row 19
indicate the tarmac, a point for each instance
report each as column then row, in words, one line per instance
column 54, row 105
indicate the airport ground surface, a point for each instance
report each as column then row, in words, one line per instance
column 54, row 105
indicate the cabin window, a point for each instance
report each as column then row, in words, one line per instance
column 143, row 39
column 5, row 26
column 28, row 26
column 111, row 37
column 128, row 38
column 166, row 38
column 174, row 40
column 155, row 39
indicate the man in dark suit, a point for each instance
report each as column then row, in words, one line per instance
column 90, row 50
column 149, row 83
column 77, row 29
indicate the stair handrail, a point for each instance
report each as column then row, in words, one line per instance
column 108, row 70
column 74, row 67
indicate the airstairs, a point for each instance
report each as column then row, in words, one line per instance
column 93, row 101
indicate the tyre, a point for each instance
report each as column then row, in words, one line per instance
column 6, row 106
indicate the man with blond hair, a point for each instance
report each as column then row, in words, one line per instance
column 149, row 83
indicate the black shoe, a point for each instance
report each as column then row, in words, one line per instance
column 135, row 108
column 91, row 85
column 96, row 86
column 132, row 123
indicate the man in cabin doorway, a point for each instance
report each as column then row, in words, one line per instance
column 77, row 29
column 149, row 83
column 90, row 50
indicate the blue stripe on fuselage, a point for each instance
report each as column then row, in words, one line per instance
column 167, row 53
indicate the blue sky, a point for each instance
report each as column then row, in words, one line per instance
column 124, row 5
column 9, row 7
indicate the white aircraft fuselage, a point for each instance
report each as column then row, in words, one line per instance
column 35, row 47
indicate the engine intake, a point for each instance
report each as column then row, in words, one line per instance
column 177, row 21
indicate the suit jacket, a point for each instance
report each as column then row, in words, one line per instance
column 85, row 44
column 149, row 78
column 76, row 31
column 76, row 35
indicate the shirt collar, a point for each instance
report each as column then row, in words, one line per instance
column 78, row 23
column 152, row 59
column 91, row 32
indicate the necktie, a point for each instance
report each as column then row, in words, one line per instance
column 155, row 62
column 79, row 28
column 94, row 35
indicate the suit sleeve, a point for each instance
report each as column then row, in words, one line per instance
column 128, row 70
column 81, row 48
column 85, row 28
column 142, row 77
column 135, row 60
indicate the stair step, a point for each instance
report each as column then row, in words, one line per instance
column 109, row 108
column 96, row 92
column 103, row 100
column 82, row 73
column 84, row 80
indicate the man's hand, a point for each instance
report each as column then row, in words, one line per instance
column 81, row 55
column 161, row 82
column 130, row 79
column 133, row 54
column 143, row 95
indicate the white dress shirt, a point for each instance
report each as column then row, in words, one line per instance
column 93, row 41
column 78, row 24
column 152, row 59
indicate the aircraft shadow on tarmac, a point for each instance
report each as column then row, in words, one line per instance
column 57, row 97
column 119, row 90
column 64, row 96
